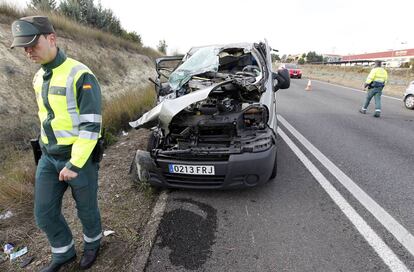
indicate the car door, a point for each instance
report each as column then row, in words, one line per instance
column 164, row 67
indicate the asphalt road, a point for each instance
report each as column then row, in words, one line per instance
column 343, row 199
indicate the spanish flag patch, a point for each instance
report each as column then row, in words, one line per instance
column 87, row 86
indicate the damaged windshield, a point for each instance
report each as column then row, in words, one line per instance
column 204, row 60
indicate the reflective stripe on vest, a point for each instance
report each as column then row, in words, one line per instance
column 62, row 95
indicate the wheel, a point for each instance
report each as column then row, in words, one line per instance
column 299, row 77
column 409, row 102
column 274, row 172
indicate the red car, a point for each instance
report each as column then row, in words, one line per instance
column 294, row 70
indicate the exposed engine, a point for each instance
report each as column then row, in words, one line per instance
column 229, row 114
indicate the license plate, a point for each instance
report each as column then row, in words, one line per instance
column 191, row 169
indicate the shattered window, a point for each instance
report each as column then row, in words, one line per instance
column 203, row 60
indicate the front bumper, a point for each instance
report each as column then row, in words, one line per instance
column 238, row 171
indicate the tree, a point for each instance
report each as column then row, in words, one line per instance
column 275, row 57
column 313, row 57
column 43, row 5
column 289, row 59
column 107, row 21
column 162, row 47
column 132, row 36
column 89, row 12
column 71, row 9
column 85, row 12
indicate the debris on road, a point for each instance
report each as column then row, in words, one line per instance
column 26, row 261
column 108, row 232
column 8, row 248
column 6, row 215
column 17, row 254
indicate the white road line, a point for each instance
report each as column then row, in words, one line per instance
column 353, row 89
column 393, row 226
column 384, row 252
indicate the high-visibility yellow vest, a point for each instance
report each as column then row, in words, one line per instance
column 62, row 98
column 377, row 74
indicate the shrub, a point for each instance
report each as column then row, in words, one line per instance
column 126, row 107
column 162, row 46
column 43, row 5
column 16, row 178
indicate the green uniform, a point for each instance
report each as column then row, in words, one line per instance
column 375, row 82
column 69, row 100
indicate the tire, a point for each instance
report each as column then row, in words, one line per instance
column 274, row 172
column 299, row 77
column 409, row 102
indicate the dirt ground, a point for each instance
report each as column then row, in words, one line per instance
column 125, row 208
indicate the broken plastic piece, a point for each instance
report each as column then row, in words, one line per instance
column 17, row 254
column 108, row 232
column 6, row 215
column 26, row 261
column 8, row 248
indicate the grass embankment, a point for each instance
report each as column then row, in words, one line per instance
column 16, row 160
column 17, row 171
column 355, row 77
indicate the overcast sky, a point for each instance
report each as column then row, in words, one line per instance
column 292, row 26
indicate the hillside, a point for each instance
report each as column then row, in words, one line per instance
column 121, row 69
column 117, row 70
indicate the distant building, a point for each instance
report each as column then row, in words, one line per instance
column 394, row 58
column 331, row 57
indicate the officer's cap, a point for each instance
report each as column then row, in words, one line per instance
column 26, row 30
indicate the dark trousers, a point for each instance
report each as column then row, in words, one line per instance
column 49, row 192
column 376, row 93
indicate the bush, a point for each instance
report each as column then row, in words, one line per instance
column 313, row 57
column 85, row 12
column 125, row 108
column 43, row 5
column 162, row 46
column 16, row 178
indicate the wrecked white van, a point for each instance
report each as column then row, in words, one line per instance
column 214, row 126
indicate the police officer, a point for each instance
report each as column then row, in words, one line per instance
column 375, row 82
column 69, row 100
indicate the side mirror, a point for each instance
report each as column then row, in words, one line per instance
column 281, row 79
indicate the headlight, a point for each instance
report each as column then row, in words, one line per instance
column 256, row 116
